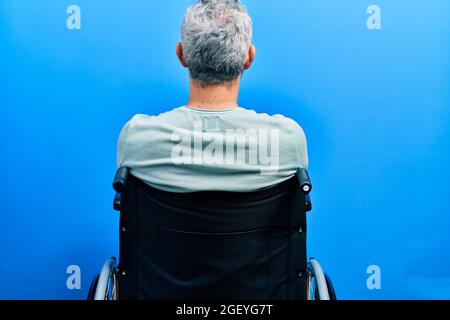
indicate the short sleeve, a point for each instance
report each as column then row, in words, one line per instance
column 121, row 144
column 300, row 146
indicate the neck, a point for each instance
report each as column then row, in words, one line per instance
column 214, row 97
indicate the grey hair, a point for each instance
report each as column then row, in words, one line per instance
column 216, row 36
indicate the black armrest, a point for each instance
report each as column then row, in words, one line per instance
column 304, row 181
column 120, row 179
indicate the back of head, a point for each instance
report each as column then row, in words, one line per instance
column 216, row 36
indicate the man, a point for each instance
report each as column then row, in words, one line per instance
column 212, row 144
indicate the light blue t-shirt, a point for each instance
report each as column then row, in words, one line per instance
column 190, row 150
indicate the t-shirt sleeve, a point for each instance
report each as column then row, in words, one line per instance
column 300, row 145
column 121, row 144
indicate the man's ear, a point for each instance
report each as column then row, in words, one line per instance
column 180, row 55
column 250, row 57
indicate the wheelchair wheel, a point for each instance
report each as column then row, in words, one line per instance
column 92, row 288
column 330, row 286
column 106, row 285
column 317, row 288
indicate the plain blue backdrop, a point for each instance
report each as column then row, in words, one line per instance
column 375, row 105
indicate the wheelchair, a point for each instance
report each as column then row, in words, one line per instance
column 212, row 245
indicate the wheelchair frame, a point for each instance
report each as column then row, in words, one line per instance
column 105, row 286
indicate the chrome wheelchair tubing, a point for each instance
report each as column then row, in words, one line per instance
column 317, row 282
column 112, row 290
column 108, row 270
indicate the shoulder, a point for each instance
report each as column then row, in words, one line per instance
column 292, row 128
column 146, row 120
column 287, row 126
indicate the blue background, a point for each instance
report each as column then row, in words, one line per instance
column 375, row 105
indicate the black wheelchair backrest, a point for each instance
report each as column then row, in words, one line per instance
column 212, row 245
